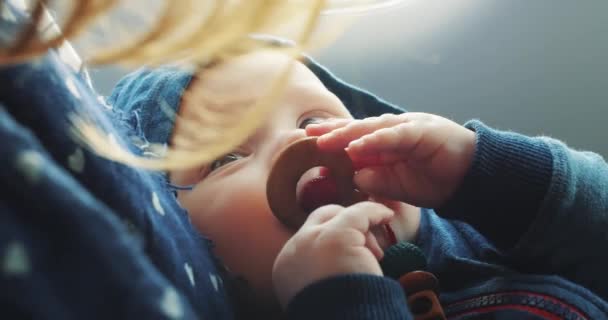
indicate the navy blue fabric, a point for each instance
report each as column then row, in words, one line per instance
column 500, row 155
column 352, row 297
column 82, row 237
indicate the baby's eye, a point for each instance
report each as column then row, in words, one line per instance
column 311, row 120
column 224, row 160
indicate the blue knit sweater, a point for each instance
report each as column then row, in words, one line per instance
column 523, row 238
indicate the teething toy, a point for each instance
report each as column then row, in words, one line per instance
column 292, row 163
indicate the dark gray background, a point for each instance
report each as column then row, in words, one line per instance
column 533, row 66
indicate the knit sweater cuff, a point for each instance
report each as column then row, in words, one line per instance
column 505, row 187
column 355, row 296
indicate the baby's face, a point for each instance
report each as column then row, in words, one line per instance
column 228, row 203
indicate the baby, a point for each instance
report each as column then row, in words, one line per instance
column 521, row 232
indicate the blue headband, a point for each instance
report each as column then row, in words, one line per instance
column 148, row 100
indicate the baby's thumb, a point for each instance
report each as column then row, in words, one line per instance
column 378, row 181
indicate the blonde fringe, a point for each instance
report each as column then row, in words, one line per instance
column 181, row 35
column 242, row 125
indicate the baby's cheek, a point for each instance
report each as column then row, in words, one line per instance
column 251, row 255
column 234, row 214
column 247, row 243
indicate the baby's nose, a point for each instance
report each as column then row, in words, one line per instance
column 284, row 139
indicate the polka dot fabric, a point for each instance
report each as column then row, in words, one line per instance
column 82, row 237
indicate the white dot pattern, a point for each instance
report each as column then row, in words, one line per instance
column 30, row 163
column 15, row 261
column 156, row 204
column 69, row 83
column 190, row 273
column 215, row 281
column 76, row 161
column 170, row 304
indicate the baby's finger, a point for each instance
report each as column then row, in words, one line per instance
column 382, row 181
column 361, row 216
column 371, row 242
column 322, row 215
column 375, row 159
column 340, row 138
column 318, row 129
column 400, row 139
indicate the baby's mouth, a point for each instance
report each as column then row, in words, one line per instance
column 317, row 187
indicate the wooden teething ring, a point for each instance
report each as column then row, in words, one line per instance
column 293, row 162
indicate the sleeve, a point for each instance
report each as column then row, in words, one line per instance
column 541, row 202
column 352, row 297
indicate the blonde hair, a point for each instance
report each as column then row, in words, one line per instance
column 180, row 34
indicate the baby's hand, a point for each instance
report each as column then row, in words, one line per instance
column 333, row 241
column 416, row 158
